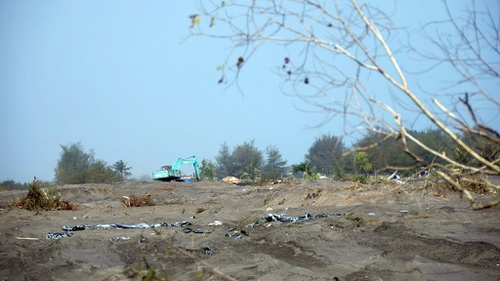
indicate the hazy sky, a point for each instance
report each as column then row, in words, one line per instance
column 119, row 77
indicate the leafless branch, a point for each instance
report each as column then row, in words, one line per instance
column 339, row 46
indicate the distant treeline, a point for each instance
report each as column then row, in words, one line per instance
column 10, row 184
column 371, row 154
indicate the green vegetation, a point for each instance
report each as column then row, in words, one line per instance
column 224, row 161
column 304, row 170
column 361, row 162
column 356, row 178
column 77, row 166
column 274, row 167
column 374, row 153
column 207, row 170
column 120, row 167
column 325, row 153
column 10, row 184
column 371, row 154
column 389, row 151
column 246, row 161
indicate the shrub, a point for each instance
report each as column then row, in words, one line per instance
column 37, row 199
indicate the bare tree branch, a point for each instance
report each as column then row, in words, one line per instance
column 338, row 47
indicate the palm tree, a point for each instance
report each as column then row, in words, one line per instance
column 121, row 168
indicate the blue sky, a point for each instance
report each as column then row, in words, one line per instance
column 120, row 78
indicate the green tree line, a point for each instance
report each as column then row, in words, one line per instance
column 76, row 166
column 245, row 161
column 329, row 155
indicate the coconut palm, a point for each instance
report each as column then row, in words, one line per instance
column 121, row 168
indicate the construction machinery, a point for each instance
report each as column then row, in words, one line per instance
column 173, row 173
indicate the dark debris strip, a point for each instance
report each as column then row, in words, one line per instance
column 68, row 230
column 275, row 219
column 198, row 230
column 125, row 226
column 58, row 235
column 236, row 234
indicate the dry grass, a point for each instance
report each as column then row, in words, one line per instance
column 37, row 199
column 477, row 185
column 355, row 186
column 138, row 200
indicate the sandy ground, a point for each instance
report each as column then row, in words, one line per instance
column 380, row 232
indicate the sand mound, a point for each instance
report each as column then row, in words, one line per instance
column 366, row 232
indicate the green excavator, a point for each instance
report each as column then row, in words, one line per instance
column 173, row 173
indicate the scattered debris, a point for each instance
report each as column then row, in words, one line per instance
column 125, row 226
column 119, row 238
column 314, row 194
column 273, row 219
column 68, row 231
column 215, row 223
column 58, row 235
column 395, row 178
column 208, row 251
column 27, row 238
column 424, row 173
column 122, row 238
column 236, row 234
column 279, row 219
column 198, row 230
